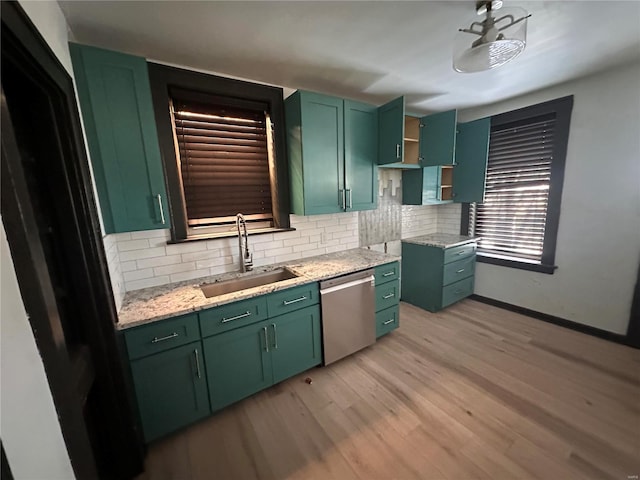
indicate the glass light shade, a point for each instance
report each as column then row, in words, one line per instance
column 486, row 54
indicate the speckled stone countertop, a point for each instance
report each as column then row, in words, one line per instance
column 156, row 303
column 442, row 240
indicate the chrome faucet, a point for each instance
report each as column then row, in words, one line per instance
column 246, row 258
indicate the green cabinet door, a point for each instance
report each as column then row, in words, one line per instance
column 315, row 133
column 295, row 342
column 171, row 389
column 438, row 139
column 472, row 151
column 117, row 112
column 238, row 363
column 360, row 156
column 391, row 132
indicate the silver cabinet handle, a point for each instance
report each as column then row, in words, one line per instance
column 462, row 252
column 390, row 272
column 350, row 198
column 391, row 320
column 197, row 363
column 342, row 199
column 162, row 339
column 275, row 337
column 159, row 197
column 289, row 302
column 266, row 339
column 397, row 150
column 391, row 295
column 237, row 317
column 458, row 291
column 460, row 271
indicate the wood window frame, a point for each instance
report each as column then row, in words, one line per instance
column 163, row 78
column 562, row 108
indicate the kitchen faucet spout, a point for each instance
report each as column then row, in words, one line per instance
column 246, row 258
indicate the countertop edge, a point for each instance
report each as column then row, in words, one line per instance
column 255, row 291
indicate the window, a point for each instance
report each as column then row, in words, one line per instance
column 224, row 164
column 222, row 142
column 518, row 221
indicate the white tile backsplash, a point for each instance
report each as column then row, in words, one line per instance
column 144, row 259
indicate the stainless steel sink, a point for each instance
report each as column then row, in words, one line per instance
column 249, row 281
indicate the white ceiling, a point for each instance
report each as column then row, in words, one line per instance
column 370, row 51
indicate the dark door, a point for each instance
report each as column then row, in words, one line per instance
column 50, row 218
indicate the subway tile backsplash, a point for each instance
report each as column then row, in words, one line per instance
column 144, row 259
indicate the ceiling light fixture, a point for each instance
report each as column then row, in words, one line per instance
column 502, row 38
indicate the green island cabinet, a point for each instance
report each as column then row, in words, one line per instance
column 410, row 142
column 460, row 181
column 387, row 292
column 332, row 149
column 435, row 277
column 118, row 116
column 187, row 367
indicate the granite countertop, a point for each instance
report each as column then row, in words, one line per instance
column 165, row 301
column 442, row 240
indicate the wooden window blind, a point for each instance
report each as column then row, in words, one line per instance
column 512, row 219
column 224, row 162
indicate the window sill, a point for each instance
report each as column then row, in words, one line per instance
column 513, row 263
column 213, row 236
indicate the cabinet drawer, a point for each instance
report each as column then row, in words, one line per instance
column 387, row 295
column 387, row 320
column 456, row 271
column 292, row 299
column 233, row 315
column 161, row 335
column 458, row 253
column 386, row 273
column 457, row 291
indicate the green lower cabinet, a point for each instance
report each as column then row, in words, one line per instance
column 171, row 389
column 297, row 343
column 238, row 363
column 387, row 320
column 246, row 360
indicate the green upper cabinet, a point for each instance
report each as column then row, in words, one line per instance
column 472, row 151
column 391, row 132
column 117, row 112
column 438, row 139
column 325, row 177
column 171, row 389
column 360, row 154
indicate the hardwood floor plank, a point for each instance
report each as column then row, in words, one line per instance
column 473, row 391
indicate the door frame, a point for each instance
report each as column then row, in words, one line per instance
column 120, row 440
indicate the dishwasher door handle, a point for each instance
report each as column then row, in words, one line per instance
column 342, row 286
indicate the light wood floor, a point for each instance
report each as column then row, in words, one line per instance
column 471, row 392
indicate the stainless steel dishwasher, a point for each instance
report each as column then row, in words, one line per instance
column 348, row 314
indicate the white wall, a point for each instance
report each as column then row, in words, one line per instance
column 598, row 245
column 29, row 426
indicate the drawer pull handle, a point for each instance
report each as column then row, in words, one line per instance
column 197, row 363
column 391, row 320
column 460, row 271
column 458, row 291
column 391, row 295
column 391, row 272
column 462, row 252
column 397, row 150
column 289, row 302
column 266, row 339
column 162, row 339
column 237, row 317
